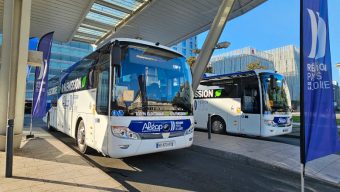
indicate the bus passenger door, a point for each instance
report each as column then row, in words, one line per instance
column 68, row 110
column 201, row 113
column 102, row 102
column 234, row 114
column 251, row 118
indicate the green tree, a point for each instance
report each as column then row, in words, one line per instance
column 255, row 65
column 191, row 61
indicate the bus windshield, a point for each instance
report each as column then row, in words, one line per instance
column 152, row 82
column 275, row 93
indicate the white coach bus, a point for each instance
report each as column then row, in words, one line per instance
column 253, row 103
column 127, row 98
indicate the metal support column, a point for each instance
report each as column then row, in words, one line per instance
column 16, row 24
column 21, row 72
column 211, row 40
column 5, row 69
column 15, row 53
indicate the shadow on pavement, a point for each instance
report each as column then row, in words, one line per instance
column 65, row 183
column 40, row 148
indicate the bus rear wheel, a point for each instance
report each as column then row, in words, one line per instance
column 83, row 148
column 218, row 125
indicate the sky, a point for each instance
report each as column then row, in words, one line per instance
column 276, row 23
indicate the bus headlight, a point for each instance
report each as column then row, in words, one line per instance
column 289, row 120
column 189, row 131
column 270, row 123
column 124, row 132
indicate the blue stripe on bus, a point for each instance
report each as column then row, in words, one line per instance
column 159, row 126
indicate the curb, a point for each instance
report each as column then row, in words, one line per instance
column 291, row 136
column 298, row 124
column 254, row 162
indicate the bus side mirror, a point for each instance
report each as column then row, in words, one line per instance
column 116, row 54
column 273, row 83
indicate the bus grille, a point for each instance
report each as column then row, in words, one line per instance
column 284, row 125
column 159, row 135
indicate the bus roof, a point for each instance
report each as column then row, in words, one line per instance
column 236, row 74
column 145, row 43
column 126, row 40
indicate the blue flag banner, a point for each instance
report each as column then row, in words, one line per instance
column 320, row 129
column 33, row 44
column 41, row 77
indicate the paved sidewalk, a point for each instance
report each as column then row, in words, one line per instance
column 46, row 164
column 269, row 153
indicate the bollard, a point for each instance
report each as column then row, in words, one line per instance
column 9, row 148
column 209, row 126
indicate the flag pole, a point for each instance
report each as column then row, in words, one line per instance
column 31, row 117
column 302, row 114
column 31, row 123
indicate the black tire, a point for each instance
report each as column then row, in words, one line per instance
column 218, row 125
column 80, row 138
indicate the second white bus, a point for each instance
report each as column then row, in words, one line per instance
column 252, row 103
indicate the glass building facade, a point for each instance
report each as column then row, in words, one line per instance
column 285, row 60
column 186, row 47
column 63, row 55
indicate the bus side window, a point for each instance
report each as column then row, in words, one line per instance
column 102, row 92
column 250, row 96
column 101, row 81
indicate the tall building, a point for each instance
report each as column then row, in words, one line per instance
column 238, row 60
column 63, row 55
column 285, row 60
column 186, row 47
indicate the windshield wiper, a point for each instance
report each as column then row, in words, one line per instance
column 142, row 88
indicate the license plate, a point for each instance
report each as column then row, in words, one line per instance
column 165, row 144
column 285, row 130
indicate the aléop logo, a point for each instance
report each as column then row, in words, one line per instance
column 316, row 65
column 158, row 127
column 282, row 120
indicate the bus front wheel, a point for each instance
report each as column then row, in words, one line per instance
column 218, row 125
column 81, row 137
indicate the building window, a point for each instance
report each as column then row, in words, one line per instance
column 184, row 44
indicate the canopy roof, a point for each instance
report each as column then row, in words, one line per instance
column 97, row 21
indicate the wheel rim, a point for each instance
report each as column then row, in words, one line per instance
column 81, row 136
column 217, row 126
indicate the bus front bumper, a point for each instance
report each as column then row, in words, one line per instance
column 119, row 148
column 275, row 131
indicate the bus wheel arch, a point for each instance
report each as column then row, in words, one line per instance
column 218, row 124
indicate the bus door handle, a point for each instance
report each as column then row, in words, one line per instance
column 97, row 120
